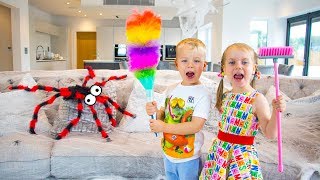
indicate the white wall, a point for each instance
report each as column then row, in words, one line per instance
column 290, row 8
column 20, row 33
column 238, row 14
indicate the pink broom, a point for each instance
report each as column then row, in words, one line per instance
column 143, row 32
column 275, row 53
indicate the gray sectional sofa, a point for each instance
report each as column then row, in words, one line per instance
column 134, row 152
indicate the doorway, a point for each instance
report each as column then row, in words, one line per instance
column 6, row 59
column 86, row 47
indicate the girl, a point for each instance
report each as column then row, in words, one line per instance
column 243, row 111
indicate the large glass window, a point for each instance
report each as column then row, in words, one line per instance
column 204, row 34
column 258, row 35
column 303, row 34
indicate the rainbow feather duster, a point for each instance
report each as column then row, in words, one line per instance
column 143, row 32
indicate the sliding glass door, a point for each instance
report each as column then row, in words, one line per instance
column 303, row 34
column 314, row 49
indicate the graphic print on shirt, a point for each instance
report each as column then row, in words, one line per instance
column 178, row 146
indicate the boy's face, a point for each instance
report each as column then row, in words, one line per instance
column 190, row 62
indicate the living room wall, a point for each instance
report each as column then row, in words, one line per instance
column 238, row 14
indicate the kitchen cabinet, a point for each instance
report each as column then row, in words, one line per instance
column 45, row 27
column 172, row 36
column 120, row 35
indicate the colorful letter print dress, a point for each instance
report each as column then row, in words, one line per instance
column 227, row 159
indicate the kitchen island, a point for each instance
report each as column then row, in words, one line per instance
column 104, row 64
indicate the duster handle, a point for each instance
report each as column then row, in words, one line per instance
column 149, row 93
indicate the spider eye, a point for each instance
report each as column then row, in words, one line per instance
column 95, row 90
column 90, row 99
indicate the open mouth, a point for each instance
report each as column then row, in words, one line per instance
column 238, row 76
column 190, row 74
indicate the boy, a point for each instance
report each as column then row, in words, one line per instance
column 184, row 113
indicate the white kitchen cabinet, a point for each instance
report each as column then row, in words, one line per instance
column 172, row 36
column 45, row 27
column 105, row 46
column 120, row 35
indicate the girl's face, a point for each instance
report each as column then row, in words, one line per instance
column 239, row 67
column 190, row 62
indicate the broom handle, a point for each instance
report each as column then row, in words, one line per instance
column 149, row 93
column 276, row 78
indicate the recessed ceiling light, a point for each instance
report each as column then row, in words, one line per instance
column 100, row 14
column 79, row 11
column 85, row 15
column 68, row 3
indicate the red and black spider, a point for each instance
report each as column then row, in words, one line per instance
column 90, row 95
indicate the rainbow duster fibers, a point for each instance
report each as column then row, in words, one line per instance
column 143, row 33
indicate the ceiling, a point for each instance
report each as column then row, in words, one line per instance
column 95, row 9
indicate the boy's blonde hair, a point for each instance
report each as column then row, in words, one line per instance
column 239, row 46
column 193, row 42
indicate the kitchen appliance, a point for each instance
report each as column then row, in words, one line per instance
column 170, row 52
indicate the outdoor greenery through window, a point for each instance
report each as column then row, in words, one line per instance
column 258, row 35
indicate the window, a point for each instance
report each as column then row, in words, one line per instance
column 303, row 34
column 258, row 35
column 205, row 34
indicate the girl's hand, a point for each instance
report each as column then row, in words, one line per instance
column 151, row 108
column 279, row 104
column 156, row 125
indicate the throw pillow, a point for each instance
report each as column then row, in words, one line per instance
column 136, row 104
column 68, row 111
column 307, row 100
column 271, row 94
column 17, row 111
column 10, row 78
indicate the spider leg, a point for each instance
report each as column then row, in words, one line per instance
column 36, row 111
column 98, row 123
column 110, row 79
column 109, row 113
column 72, row 123
column 117, row 106
column 34, row 88
column 90, row 75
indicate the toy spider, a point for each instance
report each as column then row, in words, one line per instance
column 90, row 95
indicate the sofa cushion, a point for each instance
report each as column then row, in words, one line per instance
column 10, row 78
column 271, row 94
column 128, row 155
column 25, row 156
column 285, row 69
column 17, row 111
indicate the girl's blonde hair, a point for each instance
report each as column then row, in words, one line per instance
column 239, row 46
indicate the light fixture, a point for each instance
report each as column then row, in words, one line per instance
column 100, row 14
column 68, row 3
column 85, row 15
column 79, row 11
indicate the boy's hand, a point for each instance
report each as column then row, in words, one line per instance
column 156, row 125
column 279, row 104
column 151, row 108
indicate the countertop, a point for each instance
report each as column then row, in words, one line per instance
column 50, row 60
column 100, row 61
